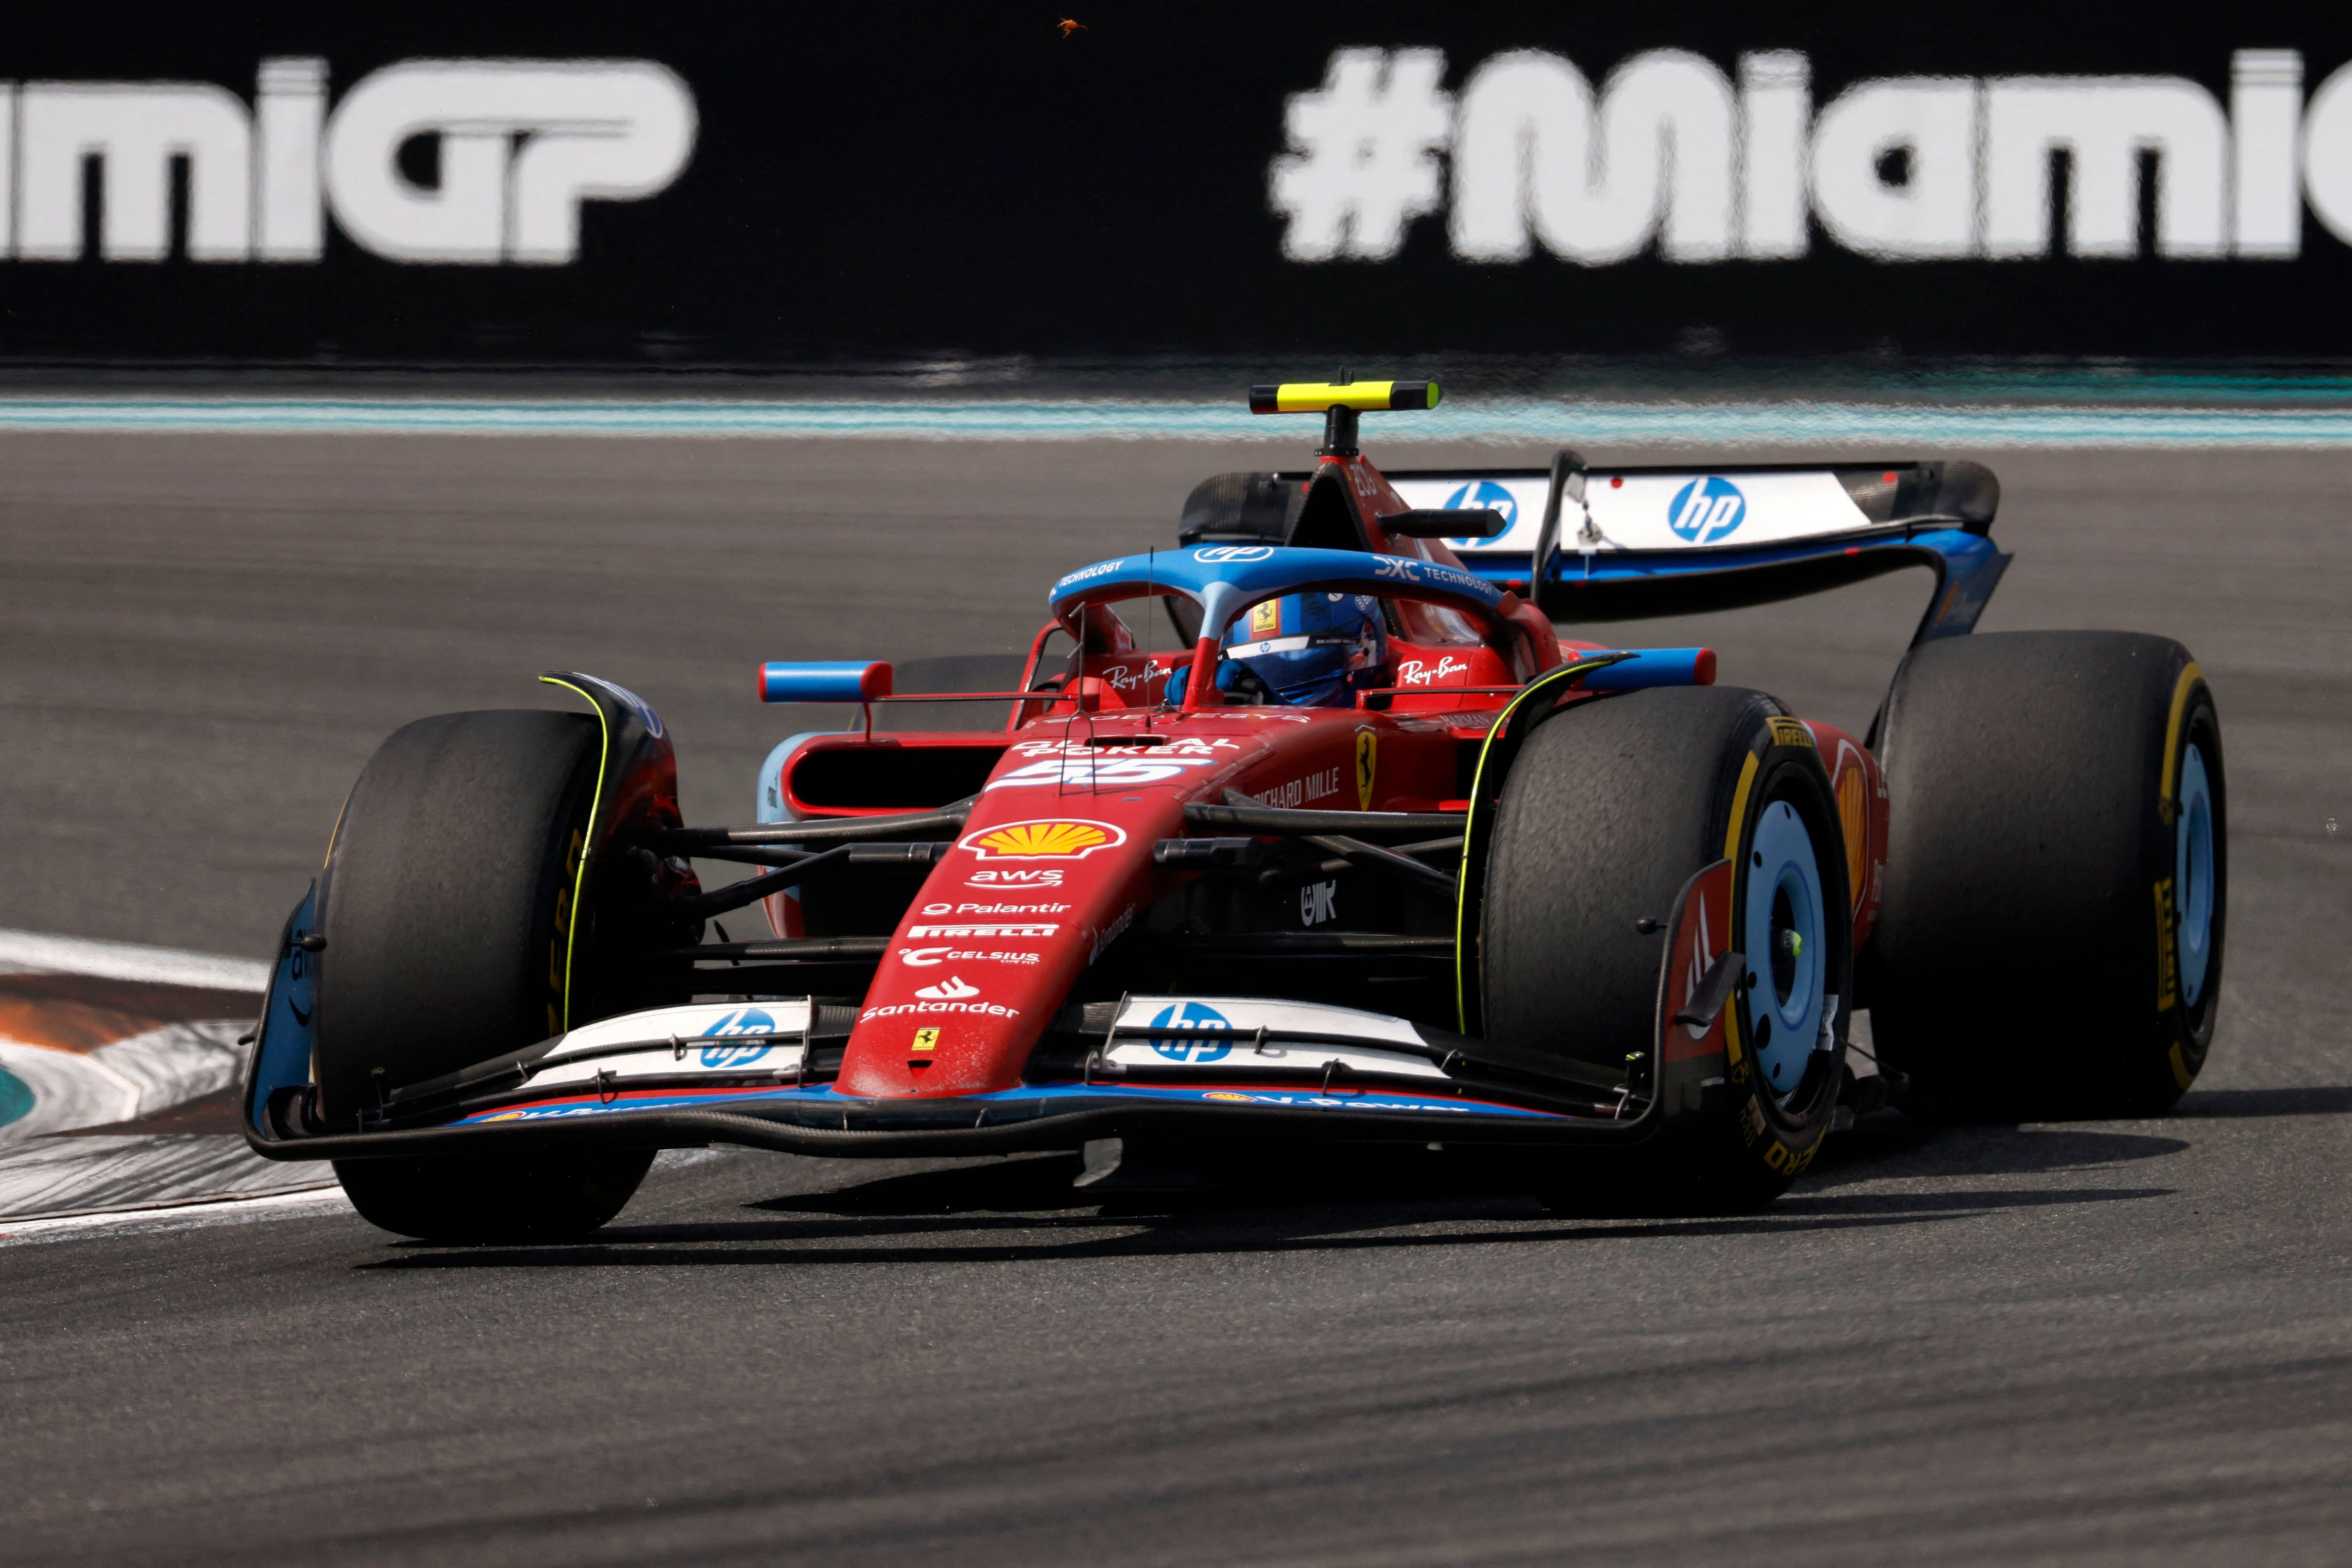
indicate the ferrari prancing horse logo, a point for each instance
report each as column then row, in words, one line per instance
column 1368, row 754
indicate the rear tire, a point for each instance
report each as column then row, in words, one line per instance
column 447, row 918
column 1608, row 810
column 2035, row 861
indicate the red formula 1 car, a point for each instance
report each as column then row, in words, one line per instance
column 1367, row 852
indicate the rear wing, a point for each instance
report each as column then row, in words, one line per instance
column 1651, row 541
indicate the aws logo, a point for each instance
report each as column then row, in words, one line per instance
column 515, row 147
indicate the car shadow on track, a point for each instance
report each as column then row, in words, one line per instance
column 1891, row 1147
column 1025, row 1211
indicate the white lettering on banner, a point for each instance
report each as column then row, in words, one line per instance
column 522, row 144
column 1595, row 182
column 1668, row 155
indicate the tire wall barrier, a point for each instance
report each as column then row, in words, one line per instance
column 708, row 185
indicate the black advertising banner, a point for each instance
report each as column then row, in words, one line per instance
column 770, row 185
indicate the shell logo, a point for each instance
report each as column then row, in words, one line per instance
column 1044, row 840
column 1853, row 817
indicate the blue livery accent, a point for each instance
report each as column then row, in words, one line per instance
column 281, row 1048
column 1968, row 568
column 574, row 1104
column 1224, row 579
column 825, row 680
column 1650, row 667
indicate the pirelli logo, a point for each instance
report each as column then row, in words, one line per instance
column 1790, row 732
column 916, row 933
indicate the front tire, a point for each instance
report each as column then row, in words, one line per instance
column 1608, row 809
column 448, row 914
column 2050, row 943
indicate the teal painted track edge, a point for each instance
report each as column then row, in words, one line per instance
column 1615, row 423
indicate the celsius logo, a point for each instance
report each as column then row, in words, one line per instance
column 1483, row 495
column 1193, row 1015
column 1216, row 554
column 518, row 145
column 744, row 1021
column 1704, row 510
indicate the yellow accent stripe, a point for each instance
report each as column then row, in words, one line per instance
column 2180, row 1073
column 1739, row 808
column 2189, row 676
column 1462, row 944
column 588, row 848
column 1748, row 771
column 336, row 831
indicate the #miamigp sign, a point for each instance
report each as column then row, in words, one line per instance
column 1290, row 187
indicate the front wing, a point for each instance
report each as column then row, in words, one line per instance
column 1236, row 1068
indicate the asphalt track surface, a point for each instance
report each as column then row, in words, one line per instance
column 2092, row 1342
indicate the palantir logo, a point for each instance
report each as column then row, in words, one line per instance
column 1704, row 511
column 1483, row 495
column 752, row 1021
column 1195, row 1016
column 520, row 144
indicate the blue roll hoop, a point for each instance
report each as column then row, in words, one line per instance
column 826, row 680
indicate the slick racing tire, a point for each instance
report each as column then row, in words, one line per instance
column 2050, row 939
column 1608, row 810
column 493, row 1198
column 447, row 918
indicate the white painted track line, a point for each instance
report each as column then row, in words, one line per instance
column 326, row 1198
column 36, row 952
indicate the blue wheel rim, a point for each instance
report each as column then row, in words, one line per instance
column 1784, row 933
column 2194, row 891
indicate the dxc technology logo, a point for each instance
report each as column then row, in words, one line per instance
column 522, row 144
column 1704, row 511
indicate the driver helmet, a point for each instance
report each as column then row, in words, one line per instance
column 1306, row 651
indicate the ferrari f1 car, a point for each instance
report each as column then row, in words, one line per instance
column 1372, row 853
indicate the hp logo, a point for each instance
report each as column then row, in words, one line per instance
column 752, row 1021
column 1192, row 1016
column 1223, row 555
column 1704, row 511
